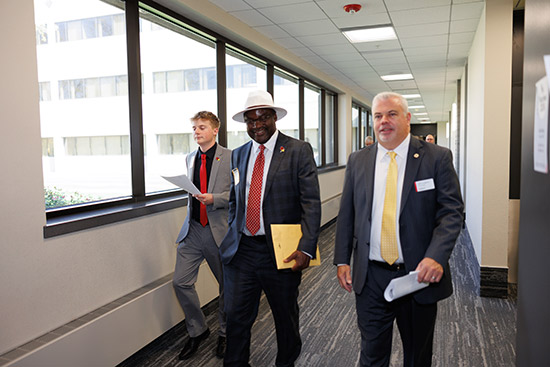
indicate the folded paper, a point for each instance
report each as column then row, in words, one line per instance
column 402, row 286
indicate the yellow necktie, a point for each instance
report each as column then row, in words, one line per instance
column 388, row 240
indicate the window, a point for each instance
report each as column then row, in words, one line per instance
column 104, row 141
column 286, row 93
column 312, row 120
column 179, row 67
column 244, row 73
column 354, row 128
column 91, row 133
column 361, row 125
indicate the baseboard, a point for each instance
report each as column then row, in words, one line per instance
column 493, row 282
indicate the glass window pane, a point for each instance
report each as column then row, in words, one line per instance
column 354, row 128
column 244, row 75
column 363, row 126
column 286, row 95
column 81, row 167
column 329, row 128
column 312, row 120
column 172, row 61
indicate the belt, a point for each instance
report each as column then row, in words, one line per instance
column 385, row 265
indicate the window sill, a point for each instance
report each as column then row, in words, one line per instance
column 64, row 224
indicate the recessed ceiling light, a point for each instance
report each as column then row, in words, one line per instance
column 370, row 34
column 411, row 96
column 419, row 106
column 420, row 113
column 392, row 77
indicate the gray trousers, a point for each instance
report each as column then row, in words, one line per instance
column 198, row 245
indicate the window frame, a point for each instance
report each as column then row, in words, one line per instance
column 64, row 220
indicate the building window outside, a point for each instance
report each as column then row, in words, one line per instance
column 286, row 94
column 354, row 128
column 329, row 128
column 312, row 120
column 83, row 132
column 243, row 74
column 179, row 67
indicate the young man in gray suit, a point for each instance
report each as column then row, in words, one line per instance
column 401, row 210
column 274, row 182
column 203, row 230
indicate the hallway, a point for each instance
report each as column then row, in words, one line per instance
column 470, row 331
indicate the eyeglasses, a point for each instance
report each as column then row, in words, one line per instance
column 262, row 118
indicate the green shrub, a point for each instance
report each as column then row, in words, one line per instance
column 55, row 198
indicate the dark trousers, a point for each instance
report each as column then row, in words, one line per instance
column 252, row 271
column 375, row 316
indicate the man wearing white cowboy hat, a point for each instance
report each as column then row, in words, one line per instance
column 274, row 182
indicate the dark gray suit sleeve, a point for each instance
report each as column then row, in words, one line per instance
column 310, row 200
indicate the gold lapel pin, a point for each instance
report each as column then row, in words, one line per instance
column 416, row 155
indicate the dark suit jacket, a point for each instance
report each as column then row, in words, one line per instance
column 218, row 186
column 429, row 221
column 291, row 195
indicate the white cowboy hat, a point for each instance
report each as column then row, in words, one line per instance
column 259, row 99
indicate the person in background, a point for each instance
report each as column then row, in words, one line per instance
column 203, row 230
column 430, row 138
column 369, row 141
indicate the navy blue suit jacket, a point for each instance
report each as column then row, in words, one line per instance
column 429, row 221
column 291, row 195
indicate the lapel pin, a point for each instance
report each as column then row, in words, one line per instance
column 217, row 158
column 416, row 155
column 281, row 149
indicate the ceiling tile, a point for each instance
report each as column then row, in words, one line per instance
column 421, row 58
column 251, row 17
column 432, row 50
column 465, row 37
column 346, row 56
column 267, row 3
column 272, row 31
column 394, row 5
column 323, row 39
column 402, row 84
column 392, row 69
column 421, row 30
column 335, row 8
column 392, row 55
column 293, row 13
column 302, row 52
column 421, row 16
column 440, row 40
column 378, row 46
column 345, row 64
column 233, row 5
column 332, row 49
column 313, row 27
column 288, row 42
column 465, row 25
column 362, row 20
column 467, row 11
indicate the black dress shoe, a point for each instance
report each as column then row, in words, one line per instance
column 193, row 345
column 220, row 349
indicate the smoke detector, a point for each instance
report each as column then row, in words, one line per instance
column 352, row 8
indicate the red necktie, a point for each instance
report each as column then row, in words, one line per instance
column 204, row 217
column 255, row 194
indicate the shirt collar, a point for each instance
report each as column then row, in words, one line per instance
column 401, row 149
column 269, row 145
column 210, row 152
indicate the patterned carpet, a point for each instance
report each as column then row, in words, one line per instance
column 470, row 330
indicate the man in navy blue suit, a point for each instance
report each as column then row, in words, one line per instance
column 413, row 228
column 274, row 182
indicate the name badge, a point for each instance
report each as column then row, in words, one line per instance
column 424, row 185
column 235, row 172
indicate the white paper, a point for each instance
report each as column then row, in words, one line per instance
column 184, row 182
column 540, row 131
column 402, row 286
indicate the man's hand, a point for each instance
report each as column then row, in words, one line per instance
column 344, row 277
column 429, row 271
column 302, row 260
column 206, row 199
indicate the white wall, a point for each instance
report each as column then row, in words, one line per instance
column 474, row 136
column 47, row 283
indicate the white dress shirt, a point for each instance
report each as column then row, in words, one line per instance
column 268, row 154
column 380, row 174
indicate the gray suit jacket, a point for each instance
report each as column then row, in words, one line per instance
column 218, row 186
column 429, row 221
column 291, row 195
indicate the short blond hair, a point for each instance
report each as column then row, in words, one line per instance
column 207, row 115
